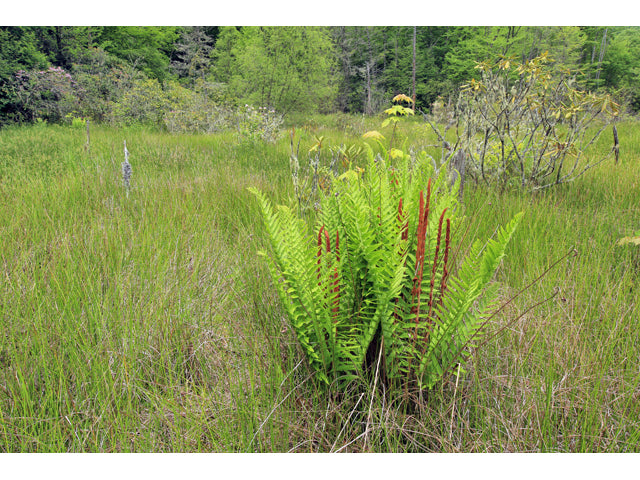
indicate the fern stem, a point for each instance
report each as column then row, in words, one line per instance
column 445, row 262
column 319, row 252
column 417, row 279
column 405, row 228
column 327, row 241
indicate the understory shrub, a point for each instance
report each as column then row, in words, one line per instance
column 525, row 124
column 260, row 123
column 145, row 103
column 49, row 94
column 105, row 91
column 376, row 285
column 206, row 108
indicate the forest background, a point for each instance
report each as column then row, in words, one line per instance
column 191, row 78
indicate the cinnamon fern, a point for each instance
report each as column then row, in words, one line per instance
column 375, row 274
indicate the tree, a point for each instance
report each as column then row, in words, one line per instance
column 147, row 48
column 474, row 44
column 18, row 51
column 528, row 125
column 362, row 58
column 192, row 54
column 286, row 68
column 620, row 68
column 224, row 55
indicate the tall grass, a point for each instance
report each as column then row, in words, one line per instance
column 148, row 323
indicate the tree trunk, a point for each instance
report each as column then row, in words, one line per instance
column 368, row 106
column 603, row 46
column 413, row 73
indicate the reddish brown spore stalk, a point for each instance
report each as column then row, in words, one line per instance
column 434, row 269
column 336, row 284
column 423, row 222
column 319, row 251
column 327, row 241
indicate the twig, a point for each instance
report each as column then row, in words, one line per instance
column 281, row 402
column 345, row 425
column 616, row 144
column 571, row 251
column 453, row 408
column 373, row 391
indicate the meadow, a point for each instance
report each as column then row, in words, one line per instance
column 146, row 322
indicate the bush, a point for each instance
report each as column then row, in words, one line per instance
column 524, row 124
column 259, row 124
column 205, row 109
column 46, row 94
column 145, row 103
column 103, row 81
column 104, row 90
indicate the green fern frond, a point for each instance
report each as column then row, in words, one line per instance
column 375, row 270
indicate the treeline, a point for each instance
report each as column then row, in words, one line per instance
column 160, row 74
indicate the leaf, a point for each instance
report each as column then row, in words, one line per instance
column 629, row 241
column 402, row 98
column 395, row 110
column 373, row 134
column 349, row 175
column 396, row 153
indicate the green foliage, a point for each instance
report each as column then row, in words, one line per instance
column 308, row 69
column 144, row 103
column 103, row 80
column 49, row 94
column 377, row 275
column 259, row 123
column 286, row 68
column 224, row 55
column 204, row 108
column 620, row 66
column 564, row 45
column 146, row 47
column 17, row 52
column 472, row 44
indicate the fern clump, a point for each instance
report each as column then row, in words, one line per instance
column 376, row 276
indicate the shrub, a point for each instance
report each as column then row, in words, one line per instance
column 207, row 108
column 525, row 124
column 47, row 94
column 103, row 80
column 144, row 103
column 260, row 123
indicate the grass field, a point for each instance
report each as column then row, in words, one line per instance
column 147, row 323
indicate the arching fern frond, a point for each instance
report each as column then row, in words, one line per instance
column 376, row 270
